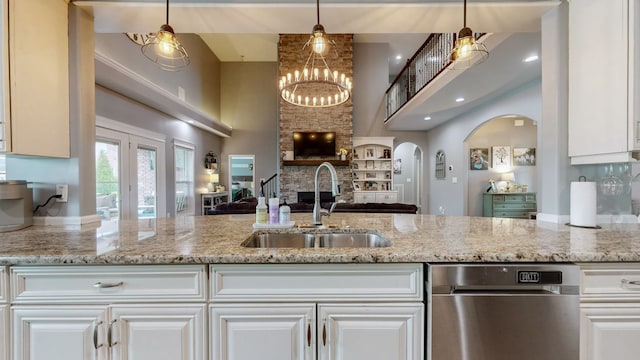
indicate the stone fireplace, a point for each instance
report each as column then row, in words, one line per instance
column 295, row 177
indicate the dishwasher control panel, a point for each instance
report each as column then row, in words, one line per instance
column 539, row 277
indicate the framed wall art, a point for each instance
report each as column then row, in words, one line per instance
column 479, row 159
column 524, row 156
column 500, row 156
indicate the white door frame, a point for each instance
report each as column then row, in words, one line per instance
column 130, row 138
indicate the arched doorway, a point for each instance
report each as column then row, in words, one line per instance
column 409, row 179
column 515, row 136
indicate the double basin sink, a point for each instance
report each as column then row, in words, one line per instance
column 315, row 240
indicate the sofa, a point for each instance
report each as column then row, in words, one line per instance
column 248, row 206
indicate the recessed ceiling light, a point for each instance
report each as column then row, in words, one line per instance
column 530, row 58
column 398, row 57
column 427, row 117
column 460, row 99
column 191, row 121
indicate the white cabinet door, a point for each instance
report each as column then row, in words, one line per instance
column 387, row 197
column 610, row 331
column 152, row 332
column 4, row 332
column 371, row 331
column 364, row 197
column 59, row 333
column 36, row 28
column 262, row 331
column 598, row 91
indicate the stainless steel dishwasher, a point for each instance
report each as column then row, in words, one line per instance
column 504, row 312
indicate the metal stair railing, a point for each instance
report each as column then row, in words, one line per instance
column 270, row 185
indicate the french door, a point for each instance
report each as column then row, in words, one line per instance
column 130, row 175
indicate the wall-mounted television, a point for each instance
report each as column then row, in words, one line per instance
column 314, row 144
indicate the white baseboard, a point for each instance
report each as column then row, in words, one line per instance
column 66, row 220
column 600, row 219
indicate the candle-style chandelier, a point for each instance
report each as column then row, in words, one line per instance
column 316, row 85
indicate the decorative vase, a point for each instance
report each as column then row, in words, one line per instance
column 343, row 157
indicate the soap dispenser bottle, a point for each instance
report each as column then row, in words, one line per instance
column 285, row 213
column 261, row 211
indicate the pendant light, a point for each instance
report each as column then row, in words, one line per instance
column 316, row 86
column 164, row 49
column 467, row 51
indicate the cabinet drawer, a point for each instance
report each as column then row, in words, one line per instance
column 108, row 283
column 387, row 197
column 364, row 197
column 4, row 283
column 511, row 214
column 316, row 282
column 515, row 206
column 612, row 281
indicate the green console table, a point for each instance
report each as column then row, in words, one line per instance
column 509, row 205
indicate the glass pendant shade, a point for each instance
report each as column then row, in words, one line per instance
column 467, row 52
column 164, row 49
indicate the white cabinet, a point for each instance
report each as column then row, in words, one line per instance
column 388, row 197
column 610, row 311
column 109, row 312
column 370, row 331
column 63, row 332
column 4, row 332
column 603, row 80
column 372, row 169
column 379, row 331
column 4, row 315
column 35, row 78
column 364, row 311
column 263, row 331
column 364, row 197
column 59, row 333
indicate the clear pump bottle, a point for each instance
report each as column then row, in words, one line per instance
column 261, row 211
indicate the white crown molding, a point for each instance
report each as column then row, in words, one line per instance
column 117, row 77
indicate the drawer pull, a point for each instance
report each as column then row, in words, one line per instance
column 309, row 335
column 101, row 285
column 95, row 336
column 630, row 284
column 324, row 334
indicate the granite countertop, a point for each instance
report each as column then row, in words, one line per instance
column 415, row 238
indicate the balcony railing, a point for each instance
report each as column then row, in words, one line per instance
column 430, row 59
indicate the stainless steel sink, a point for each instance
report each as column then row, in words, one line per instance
column 351, row 240
column 279, row 240
column 320, row 240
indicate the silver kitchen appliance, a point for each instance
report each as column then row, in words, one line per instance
column 504, row 312
column 16, row 205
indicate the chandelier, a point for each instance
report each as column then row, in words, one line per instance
column 164, row 49
column 316, row 85
column 467, row 51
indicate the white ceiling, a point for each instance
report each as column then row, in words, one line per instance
column 247, row 30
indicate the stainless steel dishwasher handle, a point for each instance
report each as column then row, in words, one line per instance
column 633, row 285
column 101, row 285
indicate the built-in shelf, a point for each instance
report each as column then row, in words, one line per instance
column 314, row 162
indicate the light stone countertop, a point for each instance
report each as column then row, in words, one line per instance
column 415, row 238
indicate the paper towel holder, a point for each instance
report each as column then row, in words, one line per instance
column 583, row 178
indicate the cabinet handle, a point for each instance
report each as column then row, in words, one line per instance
column 629, row 284
column 100, row 285
column 324, row 334
column 309, row 335
column 95, row 335
column 110, row 335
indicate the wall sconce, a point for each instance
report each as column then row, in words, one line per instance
column 210, row 162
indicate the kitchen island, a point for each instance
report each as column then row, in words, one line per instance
column 109, row 290
column 414, row 239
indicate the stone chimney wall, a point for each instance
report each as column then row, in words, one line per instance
column 338, row 119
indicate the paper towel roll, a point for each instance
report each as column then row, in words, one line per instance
column 583, row 203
